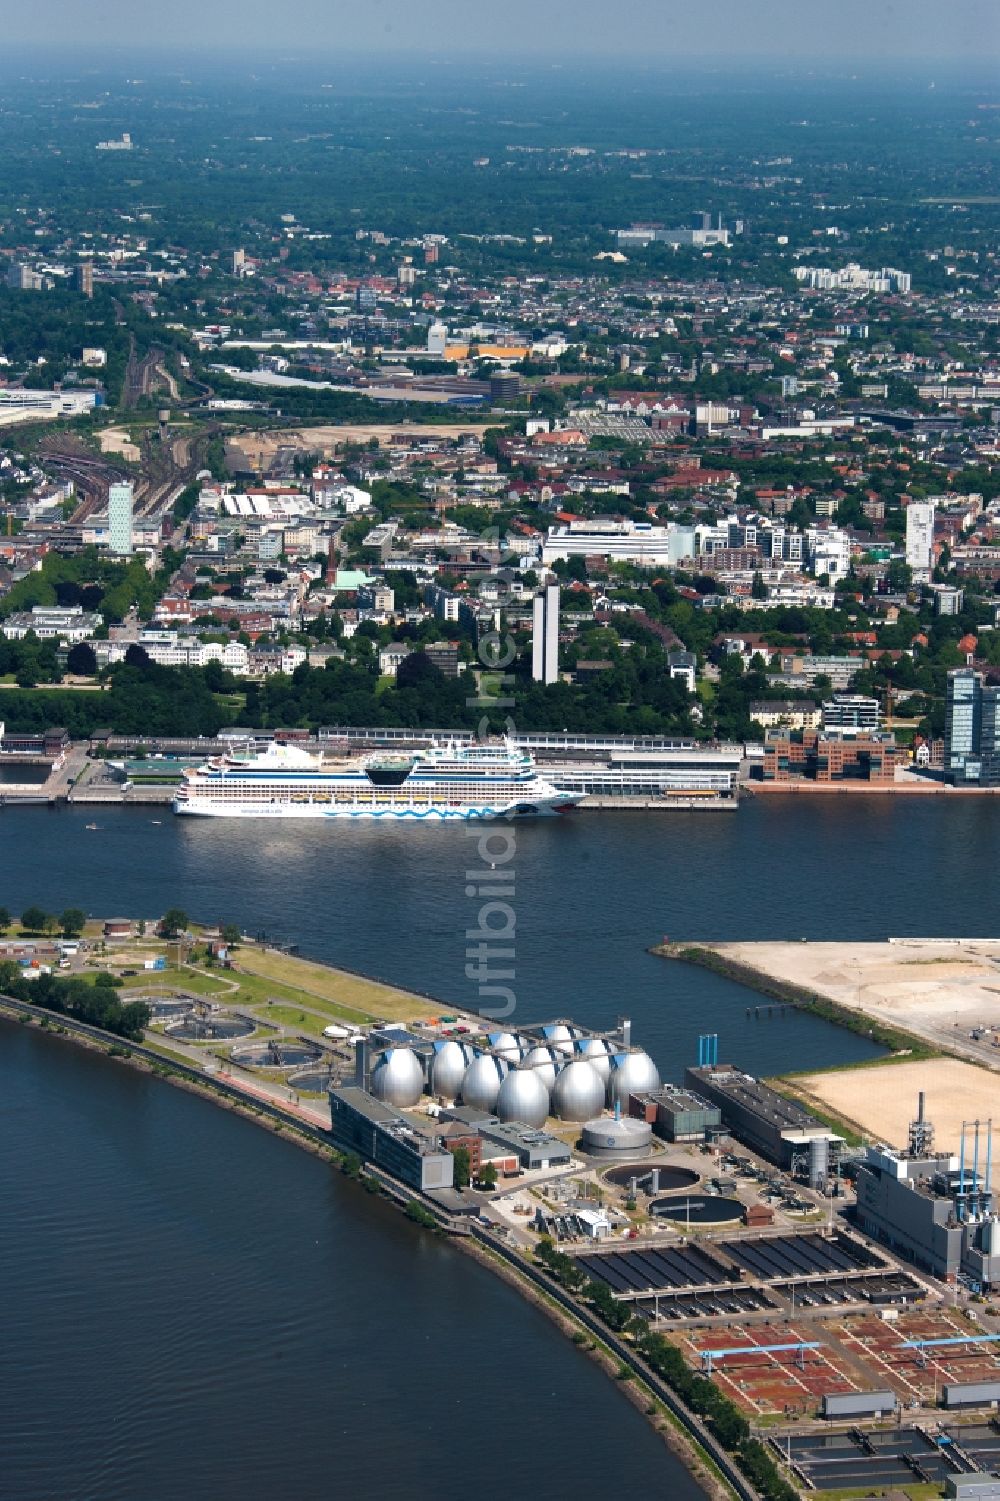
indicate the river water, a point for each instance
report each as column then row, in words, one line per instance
column 193, row 1308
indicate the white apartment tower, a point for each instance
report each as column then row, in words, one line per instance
column 545, row 636
column 120, row 519
column 919, row 537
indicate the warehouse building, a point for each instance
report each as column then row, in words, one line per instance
column 378, row 1133
column 971, row 1393
column 844, row 1405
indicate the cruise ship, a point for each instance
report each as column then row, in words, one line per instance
column 443, row 782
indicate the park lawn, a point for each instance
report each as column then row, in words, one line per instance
column 256, row 990
column 351, row 995
column 171, row 980
column 291, row 1016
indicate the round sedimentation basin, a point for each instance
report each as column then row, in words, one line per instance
column 165, row 1009
column 695, row 1209
column 312, row 1080
column 211, row 1029
column 275, row 1055
column 672, row 1179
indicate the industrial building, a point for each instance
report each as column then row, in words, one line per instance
column 765, row 1121
column 380, row 1134
column 676, row 1114
column 935, row 1210
column 534, row 1150
column 492, row 1096
column 970, row 1394
column 874, row 1404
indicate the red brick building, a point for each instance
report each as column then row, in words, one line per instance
column 830, row 756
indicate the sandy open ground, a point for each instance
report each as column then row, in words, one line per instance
column 261, row 447
column 941, row 989
column 117, row 440
column 882, row 1100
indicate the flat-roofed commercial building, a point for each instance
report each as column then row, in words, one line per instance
column 377, row 1133
column 830, row 756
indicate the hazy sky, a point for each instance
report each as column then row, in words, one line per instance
column 878, row 30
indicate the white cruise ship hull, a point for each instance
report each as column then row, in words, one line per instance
column 540, row 808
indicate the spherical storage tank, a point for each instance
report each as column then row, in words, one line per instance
column 397, row 1078
column 579, row 1092
column 595, row 1051
column 523, row 1097
column 481, row 1082
column 506, row 1046
column 631, row 1073
column 543, row 1062
column 560, row 1038
column 448, row 1067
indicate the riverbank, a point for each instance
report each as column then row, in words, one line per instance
column 727, row 960
column 680, row 1430
column 945, row 992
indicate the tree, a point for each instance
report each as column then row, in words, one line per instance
column 81, row 660
column 488, row 1175
column 137, row 656
column 173, row 922
column 73, row 922
column 462, row 1167
column 34, row 919
column 231, row 933
column 5, row 919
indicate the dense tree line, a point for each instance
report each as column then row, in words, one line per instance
column 97, row 1004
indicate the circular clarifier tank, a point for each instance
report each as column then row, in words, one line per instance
column 692, row 1209
column 211, row 1028
column 671, row 1178
column 166, row 1008
column 275, row 1055
column 312, row 1080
